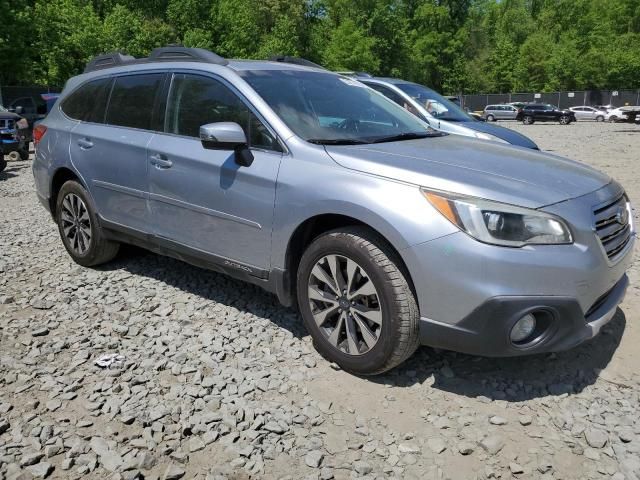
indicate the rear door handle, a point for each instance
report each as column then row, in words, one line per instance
column 160, row 161
column 85, row 143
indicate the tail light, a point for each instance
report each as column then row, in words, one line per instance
column 38, row 133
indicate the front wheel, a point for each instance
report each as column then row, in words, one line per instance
column 356, row 302
column 600, row 118
column 565, row 120
column 528, row 120
column 79, row 229
column 491, row 118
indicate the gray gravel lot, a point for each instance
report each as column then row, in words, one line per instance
column 219, row 381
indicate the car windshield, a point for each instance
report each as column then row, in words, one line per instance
column 325, row 108
column 438, row 106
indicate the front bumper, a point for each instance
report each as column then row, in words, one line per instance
column 486, row 330
column 470, row 294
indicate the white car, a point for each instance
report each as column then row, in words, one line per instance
column 585, row 112
column 621, row 114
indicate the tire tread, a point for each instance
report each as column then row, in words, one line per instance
column 387, row 260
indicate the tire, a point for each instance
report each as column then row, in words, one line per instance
column 491, row 118
column 528, row 120
column 374, row 268
column 14, row 156
column 3, row 162
column 613, row 119
column 75, row 204
column 600, row 118
column 24, row 154
column 564, row 120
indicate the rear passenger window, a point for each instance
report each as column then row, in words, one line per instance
column 88, row 103
column 132, row 100
column 196, row 100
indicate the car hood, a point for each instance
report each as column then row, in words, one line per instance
column 506, row 134
column 479, row 168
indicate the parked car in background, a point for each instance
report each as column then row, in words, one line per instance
column 494, row 113
column 33, row 108
column 585, row 112
column 385, row 233
column 544, row 112
column 441, row 113
column 623, row 114
column 12, row 141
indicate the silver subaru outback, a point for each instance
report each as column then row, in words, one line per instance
column 383, row 232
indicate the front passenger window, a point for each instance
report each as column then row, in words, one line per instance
column 196, row 100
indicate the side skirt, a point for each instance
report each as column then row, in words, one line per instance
column 274, row 281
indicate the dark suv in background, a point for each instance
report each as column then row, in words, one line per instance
column 544, row 112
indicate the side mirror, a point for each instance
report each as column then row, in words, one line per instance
column 227, row 136
column 18, row 110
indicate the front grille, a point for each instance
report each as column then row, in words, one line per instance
column 613, row 226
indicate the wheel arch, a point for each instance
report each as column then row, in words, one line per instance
column 61, row 175
column 313, row 227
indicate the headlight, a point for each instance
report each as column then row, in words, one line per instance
column 500, row 223
column 488, row 136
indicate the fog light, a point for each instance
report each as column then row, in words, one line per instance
column 523, row 328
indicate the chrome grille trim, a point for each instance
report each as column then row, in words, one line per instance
column 612, row 224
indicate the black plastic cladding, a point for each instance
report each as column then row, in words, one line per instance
column 162, row 54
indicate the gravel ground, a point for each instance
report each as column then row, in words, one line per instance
column 216, row 380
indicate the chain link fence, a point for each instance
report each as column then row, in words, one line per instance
column 617, row 98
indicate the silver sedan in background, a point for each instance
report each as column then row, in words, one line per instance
column 588, row 113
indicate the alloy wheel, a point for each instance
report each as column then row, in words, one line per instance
column 76, row 223
column 345, row 304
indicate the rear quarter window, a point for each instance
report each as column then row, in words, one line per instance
column 88, row 103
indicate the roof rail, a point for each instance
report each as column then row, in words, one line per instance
column 175, row 53
column 108, row 60
column 171, row 53
column 295, row 61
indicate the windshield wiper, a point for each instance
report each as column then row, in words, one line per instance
column 408, row 136
column 337, row 141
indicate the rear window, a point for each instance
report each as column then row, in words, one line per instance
column 132, row 100
column 88, row 102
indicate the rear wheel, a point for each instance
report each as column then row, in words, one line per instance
column 613, row 119
column 565, row 120
column 356, row 302
column 24, row 154
column 528, row 120
column 491, row 118
column 600, row 118
column 79, row 228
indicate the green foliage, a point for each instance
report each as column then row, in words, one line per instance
column 451, row 45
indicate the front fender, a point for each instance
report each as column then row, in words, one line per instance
column 396, row 210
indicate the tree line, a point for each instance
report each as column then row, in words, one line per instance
column 455, row 46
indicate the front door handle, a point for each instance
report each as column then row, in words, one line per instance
column 160, row 161
column 85, row 143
